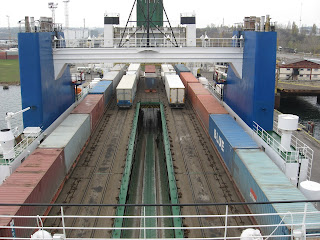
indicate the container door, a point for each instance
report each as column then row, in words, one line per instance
column 174, row 95
column 120, row 94
column 180, row 97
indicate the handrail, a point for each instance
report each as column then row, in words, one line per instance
column 299, row 221
column 300, row 146
column 142, row 42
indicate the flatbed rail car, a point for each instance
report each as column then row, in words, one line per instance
column 175, row 91
column 126, row 91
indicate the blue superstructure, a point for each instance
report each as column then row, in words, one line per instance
column 48, row 97
column 252, row 96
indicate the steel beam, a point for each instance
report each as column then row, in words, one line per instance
column 62, row 56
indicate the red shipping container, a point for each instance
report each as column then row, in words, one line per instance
column 186, row 78
column 93, row 104
column 3, row 55
column 36, row 180
column 11, row 57
column 150, row 69
column 194, row 90
column 206, row 105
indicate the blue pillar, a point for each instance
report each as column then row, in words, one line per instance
column 252, row 96
column 48, row 97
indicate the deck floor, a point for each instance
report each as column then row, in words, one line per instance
column 200, row 176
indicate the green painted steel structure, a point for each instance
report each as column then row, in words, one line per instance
column 126, row 175
column 177, row 221
column 155, row 13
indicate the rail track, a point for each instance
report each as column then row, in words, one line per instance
column 90, row 180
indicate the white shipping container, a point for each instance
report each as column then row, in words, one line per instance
column 167, row 69
column 175, row 90
column 115, row 77
column 126, row 90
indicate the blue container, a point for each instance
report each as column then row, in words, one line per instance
column 150, row 83
column 260, row 180
column 105, row 88
column 181, row 68
column 71, row 135
column 227, row 135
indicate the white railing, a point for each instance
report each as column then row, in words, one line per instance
column 287, row 156
column 216, row 90
column 142, row 42
column 292, row 221
column 300, row 146
column 20, row 147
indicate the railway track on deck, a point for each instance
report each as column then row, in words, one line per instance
column 95, row 170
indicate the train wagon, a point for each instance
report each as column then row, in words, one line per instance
column 175, row 91
column 126, row 91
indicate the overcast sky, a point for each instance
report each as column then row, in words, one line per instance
column 207, row 11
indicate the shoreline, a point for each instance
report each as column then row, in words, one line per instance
column 9, row 84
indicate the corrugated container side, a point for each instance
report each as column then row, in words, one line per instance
column 194, row 90
column 93, row 104
column 260, row 180
column 105, row 88
column 36, row 180
column 3, row 55
column 187, row 77
column 227, row 136
column 206, row 105
column 12, row 57
column 71, row 135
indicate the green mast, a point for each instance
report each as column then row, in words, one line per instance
column 155, row 13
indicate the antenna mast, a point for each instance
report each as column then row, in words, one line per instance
column 52, row 6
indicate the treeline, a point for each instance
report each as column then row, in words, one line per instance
column 305, row 39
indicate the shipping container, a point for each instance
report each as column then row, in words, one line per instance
column 186, row 78
column 92, row 104
column 119, row 68
column 36, row 180
column 150, row 69
column 175, row 91
column 260, row 180
column 126, row 91
column 206, row 105
column 12, row 57
column 181, row 68
column 194, row 90
column 134, row 67
column 105, row 88
column 167, row 69
column 115, row 77
column 12, row 53
column 71, row 135
column 3, row 55
column 227, row 135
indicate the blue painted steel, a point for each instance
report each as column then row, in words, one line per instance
column 260, row 180
column 252, row 97
column 71, row 135
column 181, row 68
column 150, row 83
column 105, row 88
column 48, row 97
column 124, row 103
column 227, row 136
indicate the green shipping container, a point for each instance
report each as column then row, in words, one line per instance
column 155, row 13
